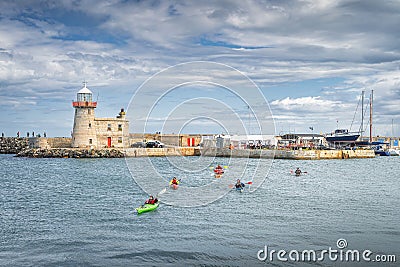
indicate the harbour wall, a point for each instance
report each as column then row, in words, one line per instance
column 288, row 154
column 162, row 152
column 194, row 151
column 13, row 145
column 61, row 147
column 107, row 152
column 70, row 153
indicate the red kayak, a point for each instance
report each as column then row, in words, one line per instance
column 174, row 186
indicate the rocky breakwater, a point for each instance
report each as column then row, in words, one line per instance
column 12, row 145
column 70, row 153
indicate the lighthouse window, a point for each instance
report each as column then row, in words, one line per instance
column 119, row 127
column 119, row 139
column 90, row 125
column 109, row 127
column 90, row 141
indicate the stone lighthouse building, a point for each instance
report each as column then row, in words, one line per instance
column 91, row 132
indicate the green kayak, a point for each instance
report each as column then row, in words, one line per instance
column 146, row 208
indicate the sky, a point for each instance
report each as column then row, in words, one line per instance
column 310, row 60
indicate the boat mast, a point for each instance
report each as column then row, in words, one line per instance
column 370, row 115
column 362, row 114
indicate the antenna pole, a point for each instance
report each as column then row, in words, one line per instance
column 248, row 108
column 392, row 128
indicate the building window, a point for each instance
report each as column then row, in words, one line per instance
column 90, row 141
column 119, row 127
column 90, row 125
column 109, row 127
column 119, row 139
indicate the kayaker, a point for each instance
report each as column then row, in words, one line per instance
column 151, row 200
column 297, row 172
column 174, row 181
column 239, row 184
column 218, row 167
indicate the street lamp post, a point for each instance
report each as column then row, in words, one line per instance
column 312, row 129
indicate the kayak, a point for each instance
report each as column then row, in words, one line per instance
column 240, row 189
column 297, row 174
column 146, row 208
column 174, row 186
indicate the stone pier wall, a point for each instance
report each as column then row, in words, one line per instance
column 288, row 154
column 70, row 153
column 107, row 152
column 60, row 147
column 12, row 145
column 162, row 152
column 59, row 142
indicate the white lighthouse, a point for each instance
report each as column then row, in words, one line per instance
column 84, row 130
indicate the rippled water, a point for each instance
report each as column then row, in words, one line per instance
column 80, row 212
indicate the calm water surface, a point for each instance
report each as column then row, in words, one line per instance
column 80, row 212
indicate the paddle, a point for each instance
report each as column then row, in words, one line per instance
column 212, row 167
column 291, row 171
column 232, row 185
column 161, row 192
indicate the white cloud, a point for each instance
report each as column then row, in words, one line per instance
column 307, row 104
column 48, row 48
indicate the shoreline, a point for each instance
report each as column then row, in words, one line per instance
column 194, row 151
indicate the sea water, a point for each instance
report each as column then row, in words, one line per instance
column 81, row 212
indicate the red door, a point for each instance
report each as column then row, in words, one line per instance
column 109, row 141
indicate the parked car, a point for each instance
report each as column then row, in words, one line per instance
column 138, row 144
column 154, row 144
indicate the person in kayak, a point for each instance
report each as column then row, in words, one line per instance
column 151, row 200
column 219, row 169
column 297, row 172
column 239, row 184
column 174, row 181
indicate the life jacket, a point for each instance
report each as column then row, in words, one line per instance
column 151, row 201
column 219, row 170
column 174, row 182
column 241, row 185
